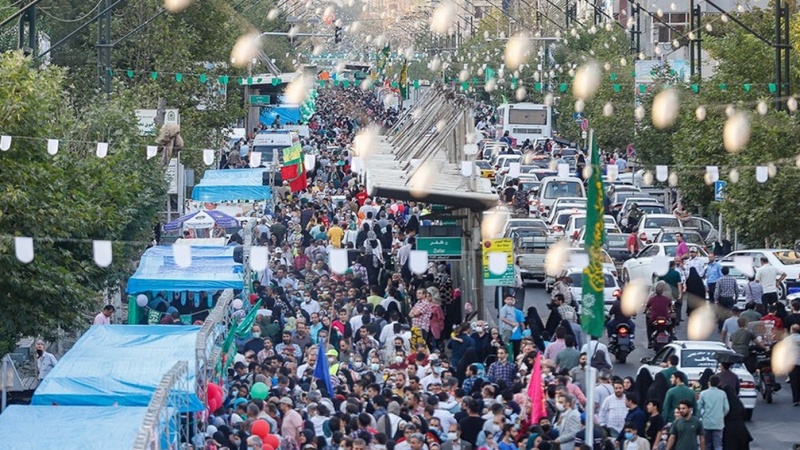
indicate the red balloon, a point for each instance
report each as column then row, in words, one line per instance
column 260, row 428
column 214, row 391
column 214, row 404
column 271, row 440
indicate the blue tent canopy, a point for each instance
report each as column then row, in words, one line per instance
column 212, row 269
column 228, row 185
column 120, row 364
column 70, row 427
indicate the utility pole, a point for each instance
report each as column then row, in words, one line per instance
column 104, row 49
column 248, row 245
column 636, row 30
column 27, row 29
column 695, row 56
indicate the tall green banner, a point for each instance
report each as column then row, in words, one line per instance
column 592, row 302
column 404, row 80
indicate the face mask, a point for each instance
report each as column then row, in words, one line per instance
column 421, row 355
column 375, row 367
column 398, row 359
column 508, row 411
column 307, row 299
column 546, row 428
column 560, row 406
column 332, row 360
column 629, row 436
column 256, row 334
column 358, row 365
column 452, row 436
column 583, row 364
column 39, row 352
column 438, row 370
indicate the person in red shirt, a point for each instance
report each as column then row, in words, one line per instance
column 657, row 306
column 362, row 196
column 771, row 317
column 633, row 243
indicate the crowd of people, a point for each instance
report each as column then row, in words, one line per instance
column 411, row 366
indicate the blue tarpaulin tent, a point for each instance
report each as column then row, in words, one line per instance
column 287, row 113
column 70, row 427
column 120, row 364
column 212, row 269
column 228, row 185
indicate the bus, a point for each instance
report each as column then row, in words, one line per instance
column 525, row 121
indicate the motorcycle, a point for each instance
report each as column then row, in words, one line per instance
column 621, row 342
column 763, row 376
column 661, row 334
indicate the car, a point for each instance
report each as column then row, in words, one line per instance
column 611, row 289
column 640, row 267
column 650, row 224
column 608, row 263
column 611, row 231
column 702, row 226
column 619, row 202
column 503, row 164
column 690, row 236
column 563, row 203
column 512, row 224
column 487, row 171
column 694, row 357
column 578, row 221
column 556, row 187
column 617, row 247
column 650, row 207
column 563, row 217
column 785, row 260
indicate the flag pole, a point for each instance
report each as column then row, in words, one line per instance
column 588, row 384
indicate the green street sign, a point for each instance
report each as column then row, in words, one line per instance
column 259, row 100
column 440, row 248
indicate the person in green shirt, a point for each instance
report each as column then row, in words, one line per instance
column 672, row 367
column 374, row 298
column 673, row 279
column 678, row 392
column 750, row 314
column 686, row 431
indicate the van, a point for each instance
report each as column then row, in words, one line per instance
column 270, row 143
column 556, row 187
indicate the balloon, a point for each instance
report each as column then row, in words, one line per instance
column 259, row 390
column 237, row 304
column 394, row 208
column 272, row 440
column 214, row 404
column 260, row 428
column 141, row 300
column 214, row 391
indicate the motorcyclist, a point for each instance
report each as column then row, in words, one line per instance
column 658, row 306
column 634, row 214
column 616, row 317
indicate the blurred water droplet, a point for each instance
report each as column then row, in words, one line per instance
column 608, row 109
column 702, row 323
column 736, row 133
column 666, row 106
column 587, row 80
column 700, row 113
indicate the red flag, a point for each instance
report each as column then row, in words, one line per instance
column 297, row 181
column 536, row 391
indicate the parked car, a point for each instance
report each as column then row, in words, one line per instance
column 487, row 170
column 513, row 224
column 608, row 264
column 690, row 236
column 703, row 226
column 640, row 267
column 578, row 221
column 694, row 357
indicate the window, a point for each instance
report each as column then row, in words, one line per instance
column 557, row 189
column 478, row 12
column 678, row 21
column 527, row 116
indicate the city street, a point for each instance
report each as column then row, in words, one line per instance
column 772, row 427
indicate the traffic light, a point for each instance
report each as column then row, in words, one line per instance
column 337, row 34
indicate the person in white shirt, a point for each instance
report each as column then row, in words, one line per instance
column 613, row 410
column 104, row 316
column 310, row 305
column 769, row 276
column 44, row 361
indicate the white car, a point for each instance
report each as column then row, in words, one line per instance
column 785, row 260
column 556, row 187
column 694, row 357
column 611, row 290
column 650, row 224
column 640, row 267
column 578, row 221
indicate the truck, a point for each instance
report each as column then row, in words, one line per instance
column 270, row 143
column 530, row 247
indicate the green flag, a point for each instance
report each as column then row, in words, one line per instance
column 488, row 74
column 243, row 329
column 593, row 314
column 231, row 334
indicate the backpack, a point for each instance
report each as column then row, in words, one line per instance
column 520, row 199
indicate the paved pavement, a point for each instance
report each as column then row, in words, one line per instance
column 774, row 427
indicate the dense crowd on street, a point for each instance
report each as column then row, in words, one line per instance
column 410, row 366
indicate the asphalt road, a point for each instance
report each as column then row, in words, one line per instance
column 774, row 426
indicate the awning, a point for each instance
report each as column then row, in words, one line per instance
column 212, row 268
column 229, row 185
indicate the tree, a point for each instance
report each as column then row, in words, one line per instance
column 66, row 201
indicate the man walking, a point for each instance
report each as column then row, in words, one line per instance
column 44, row 361
column 678, row 393
column 686, row 430
column 713, row 406
column 713, row 274
column 725, row 296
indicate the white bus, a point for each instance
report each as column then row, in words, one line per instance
column 525, row 121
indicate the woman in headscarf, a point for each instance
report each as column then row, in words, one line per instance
column 735, row 435
column 695, row 291
column 658, row 390
column 363, row 235
column 373, row 257
column 534, row 322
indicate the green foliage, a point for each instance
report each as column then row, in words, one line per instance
column 66, row 199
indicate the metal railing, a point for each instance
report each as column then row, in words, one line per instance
column 163, row 426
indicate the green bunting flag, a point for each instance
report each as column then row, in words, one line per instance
column 276, row 81
column 154, row 75
column 772, row 88
column 179, row 77
column 416, row 84
column 130, row 73
column 746, row 87
column 562, row 87
column 488, row 74
column 223, row 80
column 617, row 87
column 593, row 315
column 203, row 78
column 613, row 77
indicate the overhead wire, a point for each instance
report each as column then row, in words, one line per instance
column 79, row 19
